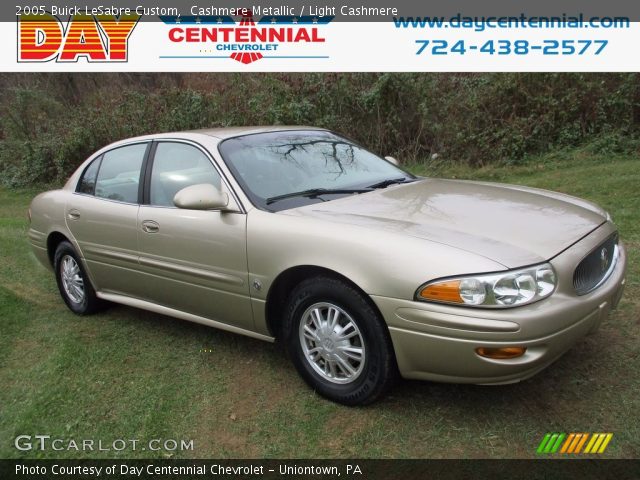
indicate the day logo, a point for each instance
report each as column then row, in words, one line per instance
column 97, row 38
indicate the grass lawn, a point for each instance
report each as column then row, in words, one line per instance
column 129, row 374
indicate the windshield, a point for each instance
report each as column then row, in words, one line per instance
column 272, row 167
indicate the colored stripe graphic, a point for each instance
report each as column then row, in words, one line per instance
column 605, row 443
column 567, row 443
column 556, row 445
column 598, row 443
column 550, row 443
column 573, row 443
column 578, row 441
column 581, row 442
column 543, row 443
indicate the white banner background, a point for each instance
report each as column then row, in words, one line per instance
column 374, row 46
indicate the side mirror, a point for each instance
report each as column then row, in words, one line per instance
column 202, row 196
column 392, row 160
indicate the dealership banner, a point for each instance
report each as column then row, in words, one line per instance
column 328, row 36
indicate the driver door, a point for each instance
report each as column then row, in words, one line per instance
column 195, row 260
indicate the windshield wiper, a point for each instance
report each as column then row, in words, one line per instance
column 314, row 192
column 391, row 181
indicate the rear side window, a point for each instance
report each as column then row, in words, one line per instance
column 176, row 166
column 88, row 181
column 119, row 174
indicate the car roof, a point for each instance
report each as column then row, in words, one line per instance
column 228, row 132
column 218, row 133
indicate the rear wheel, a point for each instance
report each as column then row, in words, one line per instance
column 338, row 342
column 74, row 285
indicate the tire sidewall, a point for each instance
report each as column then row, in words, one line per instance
column 63, row 250
column 373, row 379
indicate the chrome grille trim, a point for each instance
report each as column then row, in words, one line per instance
column 588, row 275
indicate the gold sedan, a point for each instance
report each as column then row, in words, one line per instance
column 360, row 269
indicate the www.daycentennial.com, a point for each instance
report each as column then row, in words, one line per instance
column 151, row 469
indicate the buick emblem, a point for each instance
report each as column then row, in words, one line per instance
column 604, row 259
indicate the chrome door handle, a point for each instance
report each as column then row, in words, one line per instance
column 73, row 214
column 150, row 226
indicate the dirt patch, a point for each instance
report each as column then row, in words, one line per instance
column 343, row 425
column 228, row 423
column 32, row 295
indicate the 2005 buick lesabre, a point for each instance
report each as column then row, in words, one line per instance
column 360, row 269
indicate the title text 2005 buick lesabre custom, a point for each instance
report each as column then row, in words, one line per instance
column 359, row 268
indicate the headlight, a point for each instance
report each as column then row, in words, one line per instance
column 495, row 290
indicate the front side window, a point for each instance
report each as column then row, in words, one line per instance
column 275, row 164
column 119, row 174
column 176, row 166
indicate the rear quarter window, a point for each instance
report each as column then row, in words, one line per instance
column 119, row 173
column 87, row 183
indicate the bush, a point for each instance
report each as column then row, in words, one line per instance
column 51, row 122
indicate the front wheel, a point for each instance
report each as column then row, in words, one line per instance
column 338, row 342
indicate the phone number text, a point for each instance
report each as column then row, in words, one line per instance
column 512, row 47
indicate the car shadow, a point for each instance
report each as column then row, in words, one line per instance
column 575, row 378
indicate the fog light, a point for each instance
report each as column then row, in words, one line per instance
column 501, row 353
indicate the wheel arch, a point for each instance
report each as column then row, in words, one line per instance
column 54, row 239
column 287, row 280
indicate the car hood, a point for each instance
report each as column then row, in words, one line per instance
column 511, row 225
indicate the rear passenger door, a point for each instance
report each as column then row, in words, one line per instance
column 102, row 216
column 196, row 261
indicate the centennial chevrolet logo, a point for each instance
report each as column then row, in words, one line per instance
column 247, row 41
column 99, row 38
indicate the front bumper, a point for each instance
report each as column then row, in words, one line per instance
column 438, row 342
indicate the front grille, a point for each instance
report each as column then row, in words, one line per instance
column 596, row 266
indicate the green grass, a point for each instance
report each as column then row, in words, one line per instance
column 130, row 374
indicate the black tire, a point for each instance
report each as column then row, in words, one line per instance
column 90, row 303
column 378, row 370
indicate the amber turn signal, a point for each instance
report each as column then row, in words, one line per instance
column 443, row 292
column 501, row 353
